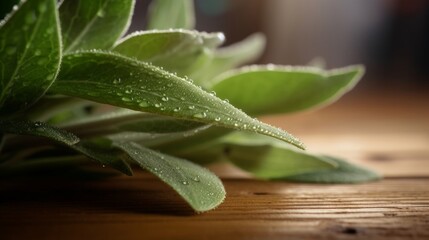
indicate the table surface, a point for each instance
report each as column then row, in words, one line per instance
column 388, row 133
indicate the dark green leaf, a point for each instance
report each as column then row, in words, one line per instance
column 166, row 14
column 345, row 173
column 124, row 82
column 179, row 51
column 198, row 186
column 94, row 24
column 92, row 150
column 30, row 54
column 129, row 121
column 270, row 89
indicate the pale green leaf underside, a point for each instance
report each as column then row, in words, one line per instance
column 166, row 14
column 260, row 90
column 197, row 185
column 345, row 173
column 94, row 24
column 177, row 51
column 232, row 56
column 30, row 54
column 123, row 82
column 68, row 139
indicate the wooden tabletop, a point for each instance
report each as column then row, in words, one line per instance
column 386, row 132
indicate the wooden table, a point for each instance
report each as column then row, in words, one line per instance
column 388, row 133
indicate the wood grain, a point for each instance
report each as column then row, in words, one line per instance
column 392, row 140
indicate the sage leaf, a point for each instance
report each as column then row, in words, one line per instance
column 197, row 185
column 94, row 24
column 260, row 90
column 344, row 173
column 232, row 56
column 129, row 121
column 262, row 156
column 124, row 82
column 179, row 51
column 38, row 129
column 166, row 14
column 30, row 54
column 91, row 150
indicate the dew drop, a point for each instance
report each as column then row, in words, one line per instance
column 158, row 105
column 196, row 178
column 191, row 107
column 235, row 124
column 200, row 115
column 100, row 13
column 165, row 99
column 217, row 119
column 50, row 77
column 117, row 81
column 125, row 99
column 144, row 104
column 177, row 109
column 185, row 182
column 129, row 91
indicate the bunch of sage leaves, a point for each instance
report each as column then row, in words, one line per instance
column 178, row 99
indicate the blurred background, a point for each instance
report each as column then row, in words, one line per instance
column 391, row 37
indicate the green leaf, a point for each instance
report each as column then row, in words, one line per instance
column 92, row 150
column 166, row 14
column 30, row 54
column 38, row 129
column 198, row 186
column 345, row 173
column 260, row 90
column 94, row 24
column 264, row 157
column 129, row 121
column 175, row 50
column 235, row 55
column 120, row 81
column 270, row 159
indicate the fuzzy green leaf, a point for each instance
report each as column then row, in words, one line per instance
column 197, row 185
column 94, row 24
column 38, row 129
column 345, row 173
column 30, row 54
column 270, row 159
column 166, row 14
column 235, row 55
column 120, row 81
column 262, row 156
column 91, row 150
column 260, row 90
column 175, row 50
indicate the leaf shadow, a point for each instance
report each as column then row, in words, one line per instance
column 148, row 196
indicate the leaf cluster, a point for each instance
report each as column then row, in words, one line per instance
column 177, row 98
